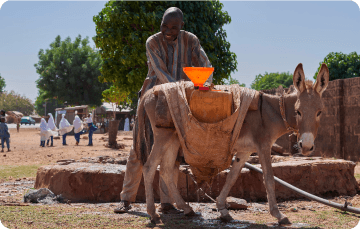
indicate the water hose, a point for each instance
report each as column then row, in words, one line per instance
column 343, row 207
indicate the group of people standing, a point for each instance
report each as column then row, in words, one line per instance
column 48, row 129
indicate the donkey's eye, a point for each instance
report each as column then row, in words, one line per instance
column 318, row 114
column 298, row 113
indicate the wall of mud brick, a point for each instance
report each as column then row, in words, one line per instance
column 339, row 131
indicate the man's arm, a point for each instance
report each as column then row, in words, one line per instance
column 153, row 55
column 199, row 58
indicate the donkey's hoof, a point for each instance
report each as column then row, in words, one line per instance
column 227, row 218
column 284, row 221
column 191, row 213
column 156, row 220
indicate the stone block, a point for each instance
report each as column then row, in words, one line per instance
column 86, row 182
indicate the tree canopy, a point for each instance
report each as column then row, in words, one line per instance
column 69, row 72
column 117, row 97
column 231, row 81
column 51, row 104
column 2, row 84
column 11, row 101
column 122, row 28
column 272, row 80
column 341, row 66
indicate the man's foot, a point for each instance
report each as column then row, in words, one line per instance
column 51, row 144
column 65, row 144
column 77, row 143
column 2, row 150
column 9, row 150
column 124, row 207
column 90, row 144
column 167, row 208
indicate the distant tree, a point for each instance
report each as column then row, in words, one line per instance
column 122, row 28
column 117, row 97
column 341, row 66
column 11, row 101
column 2, row 84
column 69, row 71
column 231, row 81
column 51, row 104
column 272, row 80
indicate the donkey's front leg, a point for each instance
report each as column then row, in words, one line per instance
column 168, row 173
column 231, row 178
column 265, row 160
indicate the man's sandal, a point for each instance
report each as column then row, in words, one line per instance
column 124, row 207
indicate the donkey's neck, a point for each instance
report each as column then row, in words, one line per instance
column 272, row 114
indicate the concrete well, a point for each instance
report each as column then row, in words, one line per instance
column 102, row 182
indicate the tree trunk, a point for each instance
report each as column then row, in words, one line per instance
column 113, row 129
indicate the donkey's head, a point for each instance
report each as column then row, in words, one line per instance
column 309, row 106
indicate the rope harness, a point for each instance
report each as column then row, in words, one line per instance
column 283, row 116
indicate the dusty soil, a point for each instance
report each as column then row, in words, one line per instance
column 26, row 150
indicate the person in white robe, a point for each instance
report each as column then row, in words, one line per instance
column 64, row 128
column 45, row 132
column 78, row 129
column 127, row 125
column 52, row 126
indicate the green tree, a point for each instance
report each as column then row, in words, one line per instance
column 117, row 97
column 11, row 101
column 231, row 81
column 69, row 71
column 122, row 28
column 51, row 104
column 341, row 66
column 272, row 80
column 2, row 84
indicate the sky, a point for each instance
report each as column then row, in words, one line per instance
column 265, row 36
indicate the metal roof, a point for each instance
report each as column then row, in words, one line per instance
column 108, row 107
column 72, row 108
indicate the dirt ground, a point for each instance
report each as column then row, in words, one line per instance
column 25, row 148
column 26, row 151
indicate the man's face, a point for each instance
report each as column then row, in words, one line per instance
column 171, row 26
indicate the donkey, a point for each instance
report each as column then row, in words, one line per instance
column 299, row 111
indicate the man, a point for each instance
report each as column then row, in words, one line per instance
column 92, row 128
column 167, row 52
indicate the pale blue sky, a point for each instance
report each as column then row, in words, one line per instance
column 266, row 36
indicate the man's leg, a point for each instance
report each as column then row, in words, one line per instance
column 90, row 137
column 133, row 174
column 52, row 140
column 2, row 144
column 8, row 143
column 64, row 139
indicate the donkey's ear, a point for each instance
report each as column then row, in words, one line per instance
column 299, row 78
column 322, row 80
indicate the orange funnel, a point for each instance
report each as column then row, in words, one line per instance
column 198, row 75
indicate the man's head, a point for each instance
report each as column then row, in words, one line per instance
column 2, row 119
column 171, row 24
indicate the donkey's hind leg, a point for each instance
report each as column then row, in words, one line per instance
column 163, row 140
column 265, row 160
column 168, row 171
column 238, row 164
